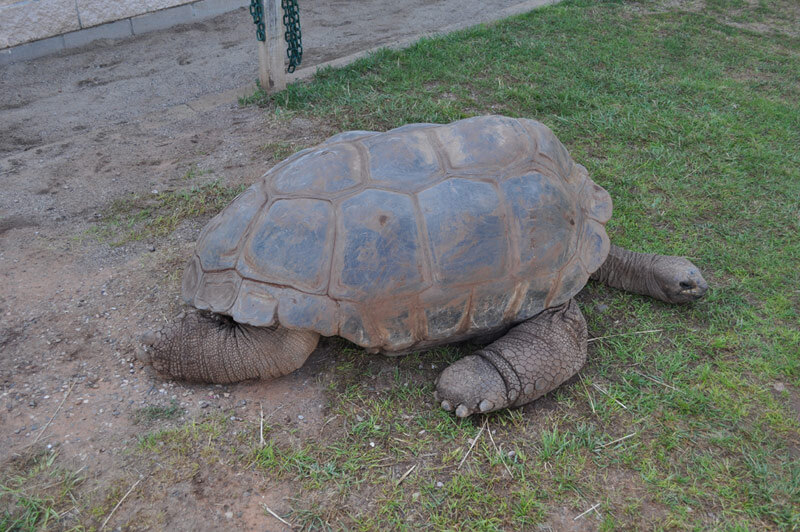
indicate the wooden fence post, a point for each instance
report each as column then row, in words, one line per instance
column 271, row 53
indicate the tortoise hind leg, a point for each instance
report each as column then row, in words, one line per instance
column 208, row 347
column 532, row 359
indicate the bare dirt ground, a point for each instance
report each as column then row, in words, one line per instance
column 86, row 129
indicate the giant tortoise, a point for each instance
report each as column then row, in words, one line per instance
column 398, row 241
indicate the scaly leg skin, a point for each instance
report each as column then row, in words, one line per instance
column 207, row 347
column 532, row 359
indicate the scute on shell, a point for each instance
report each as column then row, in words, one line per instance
column 466, row 231
column 291, row 243
column 377, row 245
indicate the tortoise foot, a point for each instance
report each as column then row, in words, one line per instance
column 534, row 358
column 471, row 385
column 207, row 347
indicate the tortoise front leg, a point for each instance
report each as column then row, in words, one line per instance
column 207, row 347
column 532, row 359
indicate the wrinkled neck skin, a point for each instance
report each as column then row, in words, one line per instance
column 632, row 272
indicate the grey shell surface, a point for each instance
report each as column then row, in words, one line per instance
column 421, row 235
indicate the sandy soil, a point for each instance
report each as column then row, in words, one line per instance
column 105, row 122
column 117, row 82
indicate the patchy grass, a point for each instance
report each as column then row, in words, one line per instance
column 647, row 455
column 278, row 151
column 194, row 172
column 151, row 413
column 36, row 494
column 767, row 16
column 146, row 217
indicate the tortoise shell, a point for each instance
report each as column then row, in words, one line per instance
column 418, row 236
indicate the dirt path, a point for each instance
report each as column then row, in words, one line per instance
column 86, row 130
column 117, row 82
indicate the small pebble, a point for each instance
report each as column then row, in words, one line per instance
column 301, row 418
column 440, row 484
column 229, row 515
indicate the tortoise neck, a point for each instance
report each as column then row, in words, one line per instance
column 629, row 271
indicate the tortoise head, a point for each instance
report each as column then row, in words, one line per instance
column 677, row 279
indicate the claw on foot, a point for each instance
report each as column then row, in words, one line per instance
column 463, row 411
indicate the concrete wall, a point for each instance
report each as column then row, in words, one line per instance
column 23, row 21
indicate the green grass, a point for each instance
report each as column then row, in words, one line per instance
column 36, row 494
column 691, row 121
column 156, row 215
column 151, row 413
column 277, row 151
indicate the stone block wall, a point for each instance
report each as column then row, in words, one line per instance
column 23, row 21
